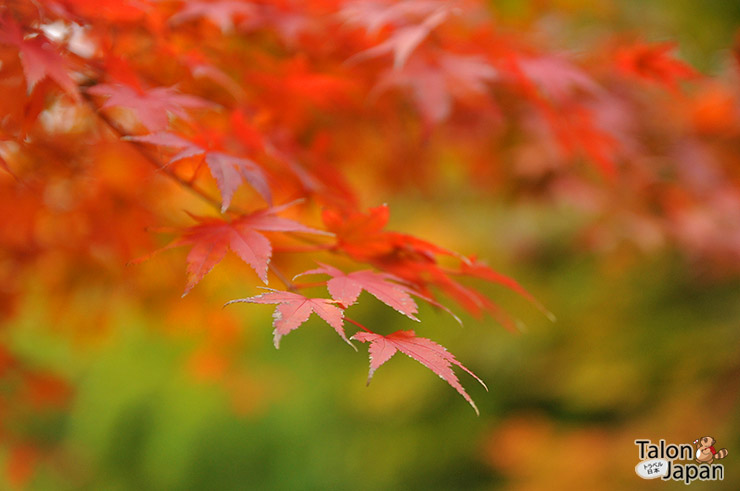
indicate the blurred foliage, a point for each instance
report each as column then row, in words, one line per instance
column 705, row 30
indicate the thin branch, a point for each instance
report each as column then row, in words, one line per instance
column 296, row 249
column 285, row 281
column 303, row 286
column 149, row 158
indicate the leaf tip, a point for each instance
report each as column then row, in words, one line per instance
column 369, row 377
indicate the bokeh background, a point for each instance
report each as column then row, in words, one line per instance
column 646, row 345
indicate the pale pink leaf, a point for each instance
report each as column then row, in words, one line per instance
column 229, row 171
column 346, row 287
column 294, row 309
column 430, row 354
column 151, row 106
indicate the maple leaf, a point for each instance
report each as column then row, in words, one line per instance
column 294, row 309
column 654, row 63
column 430, row 354
column 557, row 77
column 4, row 165
column 39, row 57
column 211, row 238
column 478, row 269
column 298, row 89
column 433, row 85
column 572, row 123
column 467, row 72
column 346, row 287
column 413, row 261
column 362, row 237
column 222, row 13
column 201, row 68
column 151, row 106
column 110, row 10
column 374, row 15
column 578, row 132
column 290, row 25
column 228, row 170
column 405, row 39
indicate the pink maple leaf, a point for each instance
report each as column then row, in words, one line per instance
column 406, row 39
column 211, row 238
column 346, row 287
column 39, row 58
column 201, row 68
column 434, row 85
column 557, row 77
column 430, row 354
column 228, row 170
column 374, row 15
column 151, row 106
column 294, row 309
column 222, row 13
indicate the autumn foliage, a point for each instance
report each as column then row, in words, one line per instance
column 281, row 127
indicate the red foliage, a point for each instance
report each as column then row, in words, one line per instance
column 654, row 63
column 294, row 97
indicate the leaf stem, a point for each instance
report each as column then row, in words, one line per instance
column 283, row 279
column 358, row 325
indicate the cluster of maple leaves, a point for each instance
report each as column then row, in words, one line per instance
column 265, row 109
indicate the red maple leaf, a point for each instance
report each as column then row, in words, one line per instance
column 654, row 63
column 480, row 270
column 211, row 238
column 346, row 287
column 414, row 261
column 228, row 170
column 361, row 236
column 430, row 354
column 111, row 10
column 39, row 57
column 151, row 106
column 294, row 309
